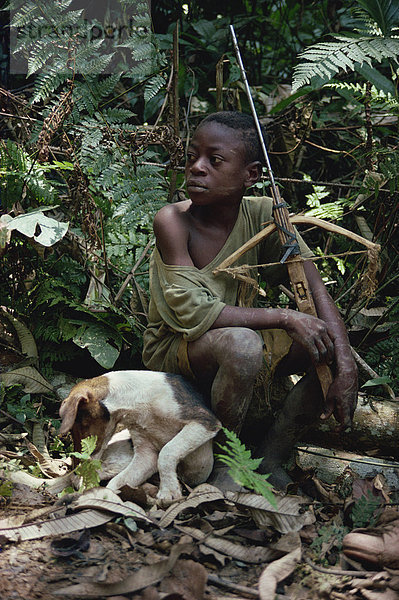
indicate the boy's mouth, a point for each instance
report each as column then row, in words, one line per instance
column 195, row 185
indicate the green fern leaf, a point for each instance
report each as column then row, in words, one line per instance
column 242, row 467
column 153, row 87
column 327, row 58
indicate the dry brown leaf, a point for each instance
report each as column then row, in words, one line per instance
column 387, row 594
column 48, row 466
column 13, row 521
column 54, row 486
column 202, row 493
column 104, row 499
column 188, row 578
column 62, row 525
column 288, row 516
column 144, row 577
column 108, row 500
column 288, row 542
column 277, row 571
column 30, row 378
column 220, row 558
column 250, row 554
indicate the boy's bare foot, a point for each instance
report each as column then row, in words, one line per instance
column 279, row 479
column 221, row 479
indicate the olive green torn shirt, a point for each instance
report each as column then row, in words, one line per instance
column 185, row 301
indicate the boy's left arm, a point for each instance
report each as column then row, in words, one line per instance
column 342, row 395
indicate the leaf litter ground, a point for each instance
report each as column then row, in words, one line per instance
column 209, row 545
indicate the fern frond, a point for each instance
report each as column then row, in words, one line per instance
column 154, row 85
column 40, row 53
column 327, row 58
column 384, row 101
column 48, row 82
column 381, row 14
column 101, row 89
column 115, row 115
column 25, row 15
column 96, row 65
column 242, row 467
column 143, row 50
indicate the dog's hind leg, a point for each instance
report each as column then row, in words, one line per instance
column 190, row 438
column 142, row 466
column 197, row 466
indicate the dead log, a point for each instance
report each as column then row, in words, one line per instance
column 375, row 427
column 331, row 465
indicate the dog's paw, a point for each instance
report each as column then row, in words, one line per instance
column 166, row 497
column 116, row 483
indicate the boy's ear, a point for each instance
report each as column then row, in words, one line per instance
column 254, row 173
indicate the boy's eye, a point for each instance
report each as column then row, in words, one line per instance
column 216, row 160
column 190, row 156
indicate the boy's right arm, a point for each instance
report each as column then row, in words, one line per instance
column 172, row 236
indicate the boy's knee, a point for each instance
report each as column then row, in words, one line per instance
column 242, row 349
column 237, row 349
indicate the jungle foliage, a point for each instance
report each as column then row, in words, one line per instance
column 91, row 149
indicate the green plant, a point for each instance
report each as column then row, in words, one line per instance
column 365, row 511
column 20, row 407
column 242, row 467
column 374, row 39
column 22, row 178
column 6, row 488
column 88, row 467
column 329, row 537
column 383, row 356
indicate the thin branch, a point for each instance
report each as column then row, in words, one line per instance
column 229, row 585
column 340, row 572
column 132, row 272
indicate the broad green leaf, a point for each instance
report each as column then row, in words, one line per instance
column 50, row 230
column 377, row 381
column 95, row 339
column 376, row 78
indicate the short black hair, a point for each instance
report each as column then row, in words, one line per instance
column 245, row 124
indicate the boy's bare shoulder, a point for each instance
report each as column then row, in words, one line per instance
column 172, row 212
column 171, row 228
column 171, row 219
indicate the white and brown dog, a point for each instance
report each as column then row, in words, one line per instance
column 167, row 419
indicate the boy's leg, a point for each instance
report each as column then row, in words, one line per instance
column 300, row 410
column 226, row 362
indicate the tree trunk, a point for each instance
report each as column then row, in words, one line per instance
column 375, row 426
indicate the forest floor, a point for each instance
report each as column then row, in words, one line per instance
column 209, row 545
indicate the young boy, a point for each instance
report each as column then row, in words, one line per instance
column 196, row 325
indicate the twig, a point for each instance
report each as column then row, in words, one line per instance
column 371, row 373
column 104, row 249
column 375, row 325
column 340, row 572
column 229, row 585
column 352, row 460
column 3, row 412
column 3, row 114
column 131, row 274
column 332, row 184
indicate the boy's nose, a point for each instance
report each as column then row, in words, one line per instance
column 198, row 166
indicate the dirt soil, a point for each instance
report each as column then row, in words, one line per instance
column 207, row 546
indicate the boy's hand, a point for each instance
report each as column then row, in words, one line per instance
column 311, row 333
column 323, row 347
column 342, row 396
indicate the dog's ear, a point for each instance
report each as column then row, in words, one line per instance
column 69, row 409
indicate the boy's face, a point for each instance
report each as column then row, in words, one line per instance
column 216, row 169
